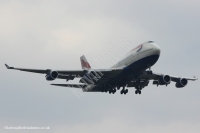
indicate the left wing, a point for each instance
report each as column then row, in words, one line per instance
column 157, row 76
column 161, row 79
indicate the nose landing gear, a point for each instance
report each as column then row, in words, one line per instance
column 149, row 72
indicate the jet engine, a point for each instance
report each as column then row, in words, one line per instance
column 181, row 83
column 166, row 79
column 51, row 75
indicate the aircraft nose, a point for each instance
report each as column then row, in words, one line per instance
column 156, row 49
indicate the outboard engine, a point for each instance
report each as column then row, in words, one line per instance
column 51, row 75
column 181, row 83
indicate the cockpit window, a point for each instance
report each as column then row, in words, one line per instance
column 150, row 41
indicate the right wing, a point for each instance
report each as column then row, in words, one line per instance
column 159, row 79
column 28, row 70
column 71, row 74
column 62, row 74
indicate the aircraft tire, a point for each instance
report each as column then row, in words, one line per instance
column 122, row 92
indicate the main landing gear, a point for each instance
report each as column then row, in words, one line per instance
column 138, row 92
column 138, row 89
column 112, row 91
column 124, row 91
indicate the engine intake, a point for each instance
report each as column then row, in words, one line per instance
column 181, row 83
column 166, row 79
column 51, row 75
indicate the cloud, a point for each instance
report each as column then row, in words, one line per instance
column 54, row 34
column 119, row 126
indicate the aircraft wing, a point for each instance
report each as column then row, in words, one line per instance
column 157, row 76
column 62, row 73
column 71, row 85
column 27, row 70
column 71, row 74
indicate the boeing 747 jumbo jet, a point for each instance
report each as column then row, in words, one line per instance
column 132, row 71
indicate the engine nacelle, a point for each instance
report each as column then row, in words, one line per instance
column 181, row 83
column 51, row 75
column 164, row 80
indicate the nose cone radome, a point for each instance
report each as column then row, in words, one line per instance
column 156, row 49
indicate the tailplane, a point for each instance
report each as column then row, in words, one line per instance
column 84, row 63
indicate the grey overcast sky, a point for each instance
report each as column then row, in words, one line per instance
column 54, row 34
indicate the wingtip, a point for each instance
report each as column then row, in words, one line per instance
column 7, row 66
column 195, row 77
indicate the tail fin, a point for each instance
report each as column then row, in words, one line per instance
column 84, row 63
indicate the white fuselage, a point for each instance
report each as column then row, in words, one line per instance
column 144, row 50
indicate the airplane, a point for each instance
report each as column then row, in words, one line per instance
column 134, row 70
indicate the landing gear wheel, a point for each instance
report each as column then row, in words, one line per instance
column 138, row 92
column 125, row 91
column 122, row 91
column 113, row 91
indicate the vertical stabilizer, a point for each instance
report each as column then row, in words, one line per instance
column 84, row 63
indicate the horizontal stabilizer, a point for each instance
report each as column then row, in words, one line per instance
column 71, row 85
